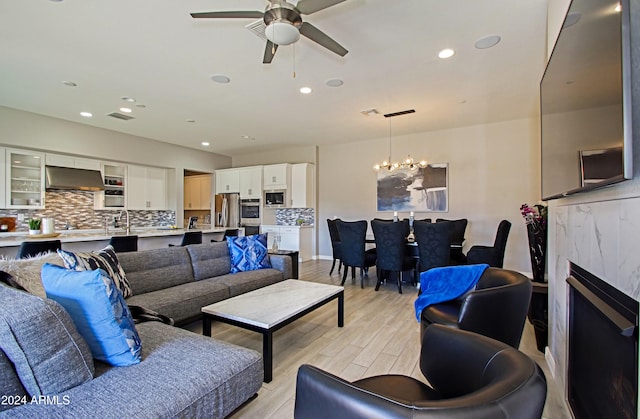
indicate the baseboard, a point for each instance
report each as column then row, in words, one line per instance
column 551, row 363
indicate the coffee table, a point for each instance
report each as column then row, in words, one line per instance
column 268, row 309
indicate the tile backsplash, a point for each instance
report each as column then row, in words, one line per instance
column 76, row 207
column 289, row 216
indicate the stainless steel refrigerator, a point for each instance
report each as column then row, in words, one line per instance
column 227, row 210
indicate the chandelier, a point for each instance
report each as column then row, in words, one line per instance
column 407, row 163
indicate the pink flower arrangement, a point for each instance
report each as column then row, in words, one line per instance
column 536, row 214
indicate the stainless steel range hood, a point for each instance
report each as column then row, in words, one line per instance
column 73, row 179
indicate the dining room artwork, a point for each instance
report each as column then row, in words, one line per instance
column 424, row 189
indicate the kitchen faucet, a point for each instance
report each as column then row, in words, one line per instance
column 128, row 226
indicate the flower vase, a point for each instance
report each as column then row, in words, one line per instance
column 537, row 234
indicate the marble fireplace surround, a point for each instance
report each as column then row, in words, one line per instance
column 599, row 231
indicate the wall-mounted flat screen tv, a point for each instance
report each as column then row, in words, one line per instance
column 585, row 102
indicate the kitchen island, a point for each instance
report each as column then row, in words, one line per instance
column 96, row 239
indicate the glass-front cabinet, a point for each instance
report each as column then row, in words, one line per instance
column 25, row 179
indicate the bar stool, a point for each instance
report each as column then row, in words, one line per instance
column 30, row 249
column 124, row 243
column 190, row 237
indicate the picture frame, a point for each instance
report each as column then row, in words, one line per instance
column 418, row 190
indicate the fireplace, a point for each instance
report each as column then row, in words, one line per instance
column 602, row 376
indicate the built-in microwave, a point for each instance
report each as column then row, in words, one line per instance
column 276, row 198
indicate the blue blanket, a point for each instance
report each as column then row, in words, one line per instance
column 445, row 284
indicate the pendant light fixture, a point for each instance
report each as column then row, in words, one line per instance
column 407, row 163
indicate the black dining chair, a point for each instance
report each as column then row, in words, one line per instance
column 190, row 237
column 352, row 239
column 456, row 237
column 390, row 240
column 230, row 232
column 30, row 249
column 336, row 247
column 123, row 244
column 433, row 244
column 491, row 255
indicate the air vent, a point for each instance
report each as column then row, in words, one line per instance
column 120, row 116
column 258, row 28
column 391, row 115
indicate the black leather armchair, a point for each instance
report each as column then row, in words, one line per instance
column 496, row 308
column 471, row 376
column 491, row 255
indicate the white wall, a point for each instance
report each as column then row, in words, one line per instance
column 493, row 169
column 28, row 130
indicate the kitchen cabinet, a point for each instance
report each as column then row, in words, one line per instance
column 197, row 192
column 277, row 176
column 147, row 188
column 250, row 182
column 115, row 186
column 228, row 181
column 290, row 238
column 24, row 179
column 303, row 192
column 70, row 161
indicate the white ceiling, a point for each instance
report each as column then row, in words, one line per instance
column 156, row 53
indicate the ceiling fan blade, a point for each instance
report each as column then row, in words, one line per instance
column 306, row 7
column 249, row 14
column 316, row 35
column 269, row 52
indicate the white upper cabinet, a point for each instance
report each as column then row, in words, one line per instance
column 70, row 161
column 251, row 182
column 24, row 181
column 303, row 185
column 277, row 176
column 147, row 188
column 228, row 181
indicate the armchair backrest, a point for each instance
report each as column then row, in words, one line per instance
column 500, row 243
column 498, row 307
column 335, row 236
column 457, row 230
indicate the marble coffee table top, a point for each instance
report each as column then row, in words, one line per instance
column 266, row 307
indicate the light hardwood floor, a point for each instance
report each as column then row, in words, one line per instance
column 380, row 336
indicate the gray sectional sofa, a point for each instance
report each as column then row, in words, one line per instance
column 182, row 374
column 179, row 281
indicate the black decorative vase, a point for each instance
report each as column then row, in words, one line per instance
column 537, row 233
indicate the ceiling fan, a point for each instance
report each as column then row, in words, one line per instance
column 284, row 24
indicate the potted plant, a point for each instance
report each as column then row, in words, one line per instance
column 34, row 226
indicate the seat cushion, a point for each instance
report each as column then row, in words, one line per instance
column 40, row 340
column 400, row 388
column 98, row 311
column 243, row 282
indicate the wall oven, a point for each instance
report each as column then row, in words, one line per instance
column 277, row 199
column 250, row 211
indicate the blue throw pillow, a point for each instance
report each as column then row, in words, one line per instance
column 98, row 311
column 248, row 253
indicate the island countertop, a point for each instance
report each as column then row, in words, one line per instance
column 79, row 236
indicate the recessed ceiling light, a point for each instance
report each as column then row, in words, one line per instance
column 140, row 105
column 334, row 82
column 128, row 99
column 69, row 83
column 305, row 90
column 487, row 41
column 446, row 53
column 248, row 137
column 86, row 114
column 191, row 121
column 220, row 78
column 205, row 143
column 125, row 110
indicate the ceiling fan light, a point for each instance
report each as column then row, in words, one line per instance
column 282, row 33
